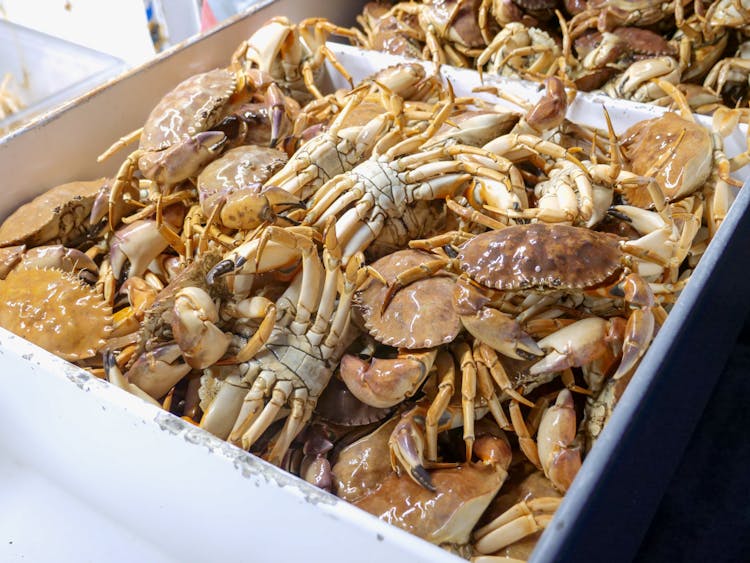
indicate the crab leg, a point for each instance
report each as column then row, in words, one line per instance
column 641, row 324
column 386, row 382
column 515, row 523
column 156, row 371
column 525, row 440
column 261, row 254
column 279, row 397
column 292, row 426
column 332, row 261
column 559, row 458
column 447, row 370
column 489, row 358
column 354, row 276
column 222, row 412
column 256, row 307
column 486, row 388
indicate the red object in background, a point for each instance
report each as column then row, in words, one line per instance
column 208, row 20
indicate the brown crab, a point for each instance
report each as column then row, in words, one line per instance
column 235, row 181
column 444, row 515
column 388, row 33
column 514, row 521
column 543, row 259
column 450, row 29
column 188, row 127
column 606, row 15
column 59, row 215
column 55, row 310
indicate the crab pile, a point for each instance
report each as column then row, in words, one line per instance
column 618, row 46
column 409, row 299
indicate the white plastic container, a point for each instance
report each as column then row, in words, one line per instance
column 48, row 71
column 187, row 496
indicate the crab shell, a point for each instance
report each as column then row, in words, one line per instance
column 59, row 215
column 236, row 170
column 444, row 516
column 54, row 310
column 193, row 106
column 541, row 256
column 419, row 316
column 689, row 148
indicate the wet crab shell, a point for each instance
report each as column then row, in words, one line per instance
column 194, row 105
column 419, row 316
column 56, row 311
column 541, row 256
column 59, row 215
column 238, row 168
column 688, row 147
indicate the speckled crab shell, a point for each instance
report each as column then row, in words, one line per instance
column 194, row 105
column 56, row 311
column 420, row 315
column 59, row 215
column 541, row 256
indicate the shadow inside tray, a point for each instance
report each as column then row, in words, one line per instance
column 705, row 512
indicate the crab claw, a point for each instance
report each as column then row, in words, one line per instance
column 502, row 333
column 139, row 242
column 276, row 105
column 557, row 431
column 248, row 208
column 491, row 326
column 407, row 450
column 182, row 160
column 223, row 268
column 386, row 382
column 575, row 345
column 194, row 329
column 549, row 111
column 641, row 323
column 156, row 372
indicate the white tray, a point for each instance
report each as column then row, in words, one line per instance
column 187, row 495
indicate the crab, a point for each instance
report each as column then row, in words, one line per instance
column 730, row 77
column 602, row 55
column 450, row 29
column 558, row 259
column 688, row 153
column 235, row 182
column 606, row 15
column 528, row 12
column 520, row 52
column 338, row 149
column 293, row 54
column 512, row 524
column 59, row 215
column 381, row 190
column 56, row 311
column 638, row 82
column 444, row 516
column 185, row 130
column 733, row 14
column 291, row 357
column 386, row 32
column 418, row 321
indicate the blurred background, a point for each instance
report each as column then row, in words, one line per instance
column 51, row 51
